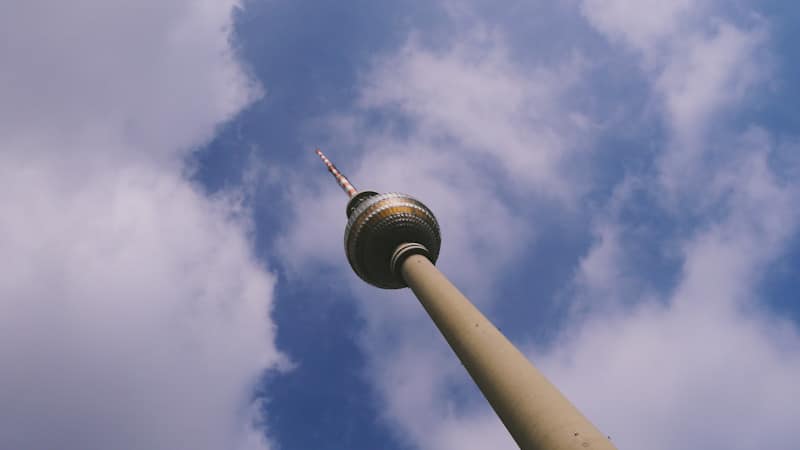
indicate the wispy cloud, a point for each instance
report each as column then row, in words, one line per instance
column 701, row 63
column 689, row 365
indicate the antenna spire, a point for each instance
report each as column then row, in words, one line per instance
column 341, row 179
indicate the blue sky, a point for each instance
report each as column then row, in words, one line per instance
column 616, row 182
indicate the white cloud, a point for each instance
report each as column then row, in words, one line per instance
column 133, row 316
column 474, row 94
column 142, row 81
column 700, row 63
column 643, row 24
column 133, row 313
column 705, row 362
column 599, row 271
column 707, row 359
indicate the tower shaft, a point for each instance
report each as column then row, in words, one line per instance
column 536, row 414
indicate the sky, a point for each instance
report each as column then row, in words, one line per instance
column 617, row 184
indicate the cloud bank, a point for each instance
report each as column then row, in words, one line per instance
column 134, row 314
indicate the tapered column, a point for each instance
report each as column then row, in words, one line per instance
column 536, row 414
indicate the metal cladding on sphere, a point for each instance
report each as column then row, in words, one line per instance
column 378, row 224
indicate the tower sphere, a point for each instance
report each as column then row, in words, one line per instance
column 377, row 225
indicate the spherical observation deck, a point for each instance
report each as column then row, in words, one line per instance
column 380, row 223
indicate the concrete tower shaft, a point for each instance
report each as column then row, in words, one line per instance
column 533, row 410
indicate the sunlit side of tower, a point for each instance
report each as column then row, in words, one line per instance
column 392, row 241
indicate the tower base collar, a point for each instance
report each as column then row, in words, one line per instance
column 402, row 252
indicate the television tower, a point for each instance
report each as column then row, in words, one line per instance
column 392, row 241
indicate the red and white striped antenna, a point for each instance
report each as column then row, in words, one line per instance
column 341, row 179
